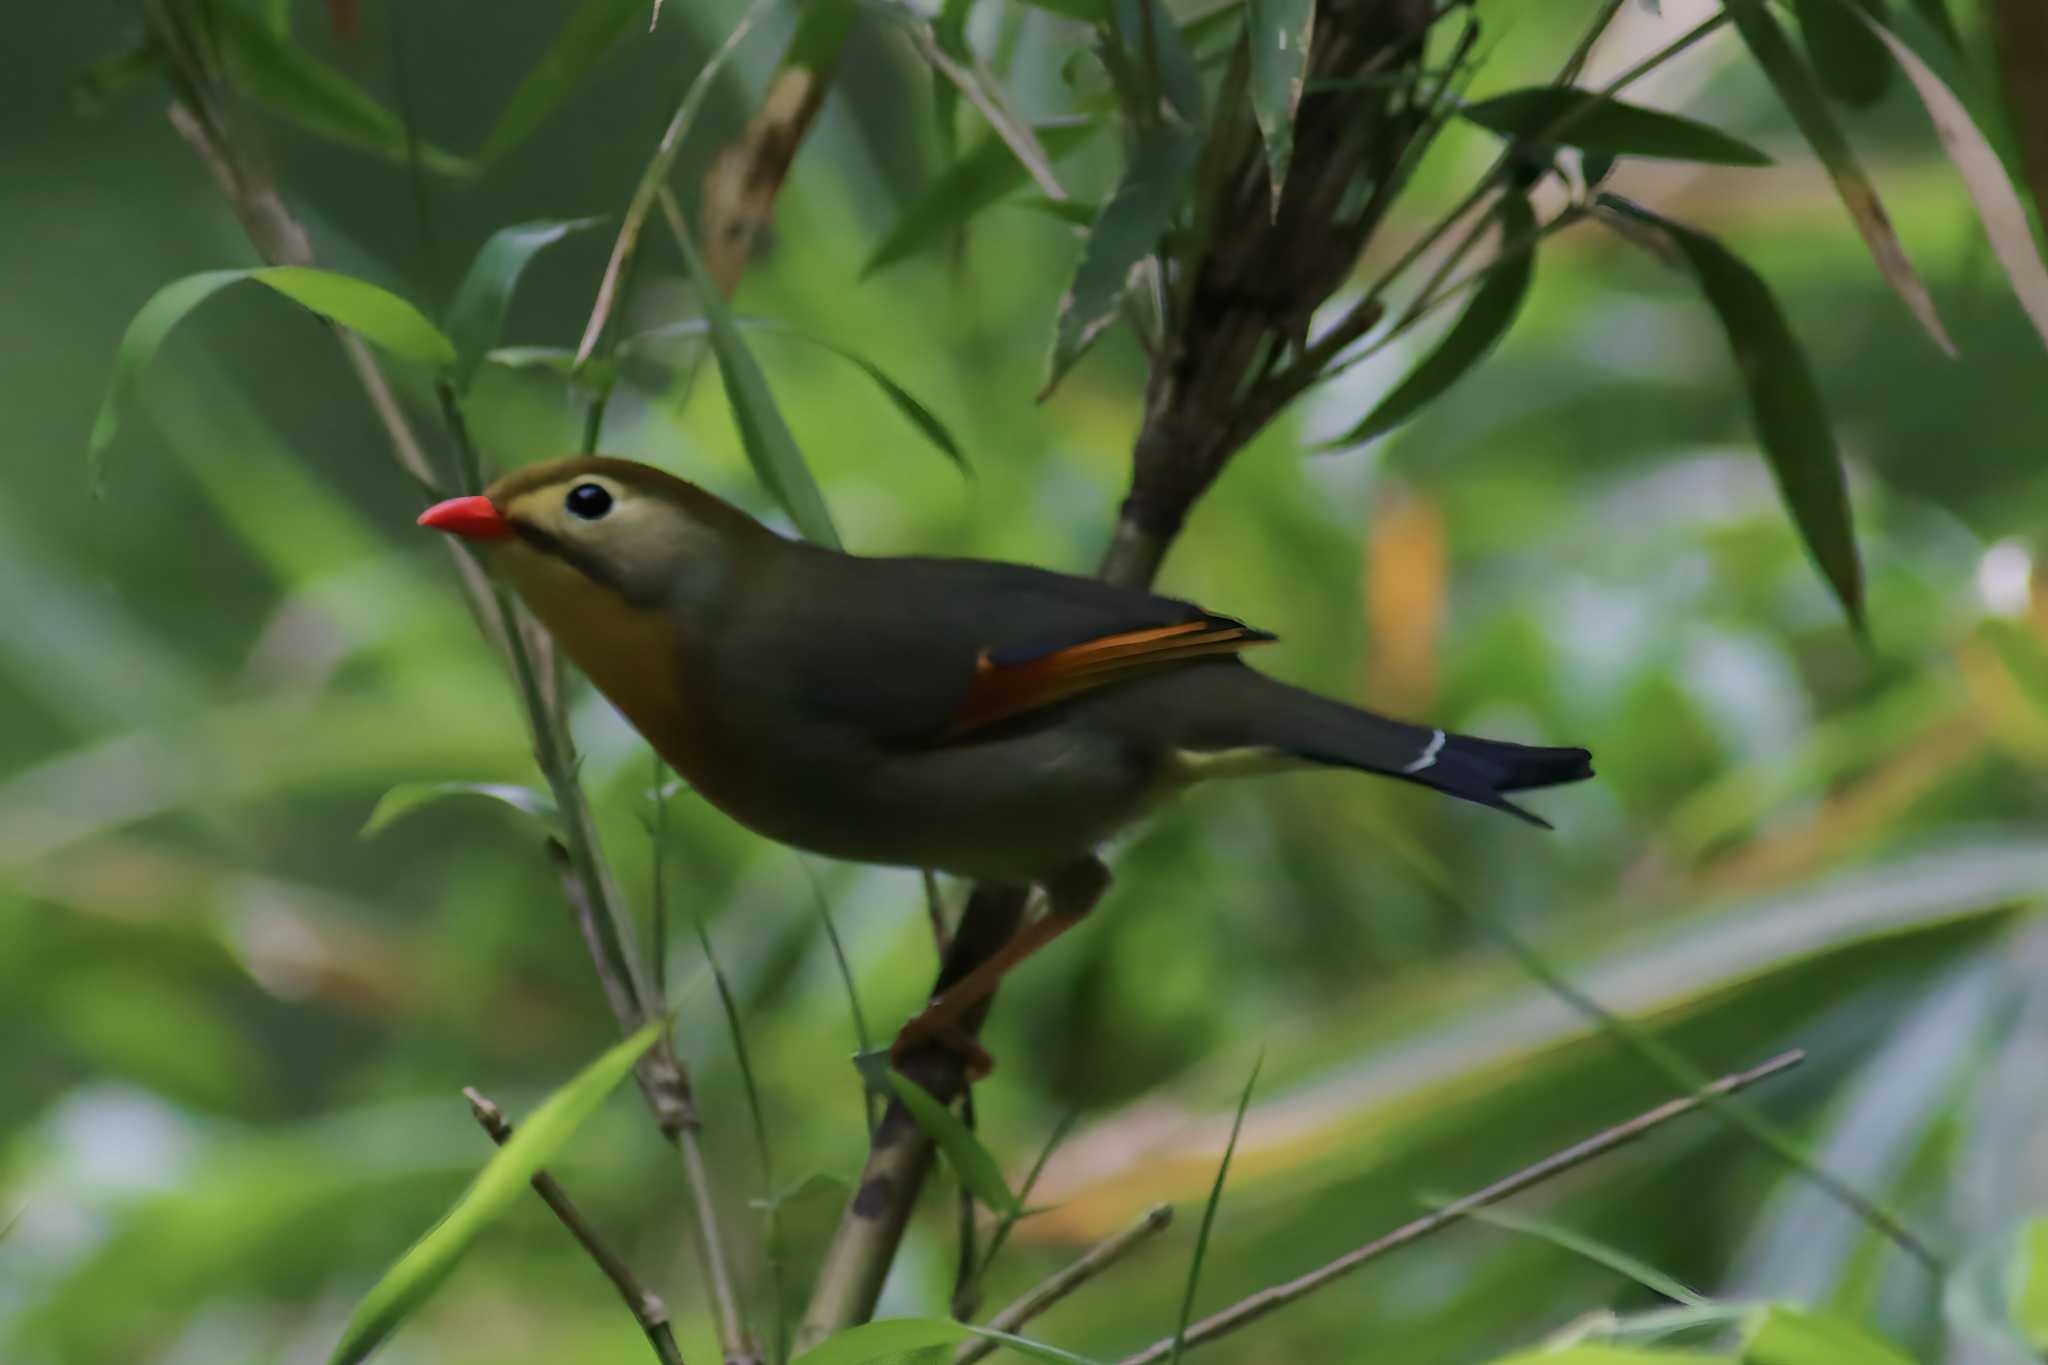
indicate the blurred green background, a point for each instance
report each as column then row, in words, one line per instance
column 236, row 1031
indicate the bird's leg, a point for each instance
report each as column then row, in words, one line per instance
column 1070, row 893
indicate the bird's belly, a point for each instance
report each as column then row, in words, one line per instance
column 1011, row 809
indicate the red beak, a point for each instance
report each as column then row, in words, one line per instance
column 472, row 518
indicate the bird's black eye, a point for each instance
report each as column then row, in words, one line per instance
column 588, row 501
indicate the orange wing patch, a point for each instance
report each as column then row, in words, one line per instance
column 1001, row 691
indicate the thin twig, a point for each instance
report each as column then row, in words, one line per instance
column 609, row 289
column 1061, row 1283
column 935, row 911
column 1280, row 1295
column 647, row 1309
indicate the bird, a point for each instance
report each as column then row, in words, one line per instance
column 991, row 720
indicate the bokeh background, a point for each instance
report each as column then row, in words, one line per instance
column 235, row 1030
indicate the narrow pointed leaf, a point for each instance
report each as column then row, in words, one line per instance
column 407, row 797
column 477, row 315
column 1593, row 1249
column 970, row 1160
column 1202, row 1234
column 1278, row 32
column 1793, row 1336
column 914, row 411
column 1595, row 123
column 1935, row 14
column 1137, row 215
column 581, row 43
column 503, row 1179
column 146, row 331
column 1158, row 46
column 1998, row 203
column 380, row 316
column 1785, row 405
column 377, row 315
column 763, row 434
column 1486, row 319
column 271, row 68
column 1851, row 65
column 965, row 188
column 1803, row 100
column 2030, row 1285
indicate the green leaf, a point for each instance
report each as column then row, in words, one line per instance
column 2030, row 1284
column 893, row 1338
column 146, row 331
column 1595, row 123
column 1156, row 47
column 763, row 434
column 272, row 69
column 1803, row 100
column 1784, row 1335
column 1785, row 405
column 503, row 1179
column 1983, row 174
column 407, row 797
column 1137, row 215
column 1278, row 32
column 377, row 315
column 970, row 1160
column 1937, row 17
column 94, row 87
column 583, row 40
column 1592, row 1248
column 915, row 412
column 965, row 188
column 1187, row 1298
column 380, row 316
column 1478, row 330
column 1851, row 64
column 477, row 315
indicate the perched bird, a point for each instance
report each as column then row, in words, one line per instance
column 985, row 719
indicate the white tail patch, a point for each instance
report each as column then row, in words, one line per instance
column 1427, row 758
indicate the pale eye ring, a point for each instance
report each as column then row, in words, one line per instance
column 588, row 501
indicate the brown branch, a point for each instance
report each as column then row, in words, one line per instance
column 1251, row 1309
column 1061, row 1283
column 646, row 1307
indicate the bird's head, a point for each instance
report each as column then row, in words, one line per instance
column 557, row 530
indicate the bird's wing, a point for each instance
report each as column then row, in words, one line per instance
column 1010, row 681
column 920, row 651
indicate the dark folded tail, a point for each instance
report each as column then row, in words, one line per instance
column 1320, row 730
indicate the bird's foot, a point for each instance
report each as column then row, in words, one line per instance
column 924, row 1030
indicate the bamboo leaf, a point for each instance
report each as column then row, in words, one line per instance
column 477, row 315
column 1783, row 1335
column 1159, row 56
column 891, row 1339
column 1202, row 1234
column 1593, row 1353
column 380, row 316
column 763, row 434
column 1851, row 65
column 915, row 412
column 1592, row 1248
column 503, row 1179
column 1803, row 100
column 1998, row 203
column 582, row 42
column 1785, row 405
column 965, row 188
column 1137, row 215
column 272, row 69
column 407, row 797
column 1595, row 123
column 1278, row 32
column 1486, row 319
column 377, row 315
column 2030, row 1284
column 970, row 1160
